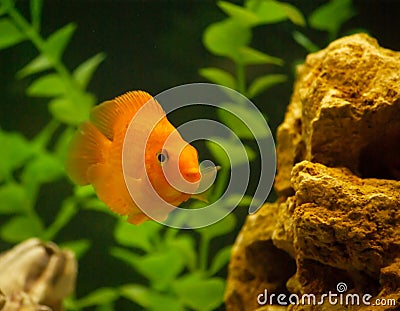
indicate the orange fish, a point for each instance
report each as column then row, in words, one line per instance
column 96, row 157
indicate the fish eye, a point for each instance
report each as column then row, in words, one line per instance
column 162, row 157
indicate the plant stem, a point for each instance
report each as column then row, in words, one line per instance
column 203, row 253
column 43, row 137
column 40, row 44
column 64, row 215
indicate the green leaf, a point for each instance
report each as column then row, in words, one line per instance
column 242, row 15
column 9, row 34
column 235, row 124
column 251, row 117
column 219, row 76
column 97, row 205
column 212, row 215
column 79, row 247
column 62, row 144
column 178, row 220
column 293, row 14
column 251, row 154
column 250, row 56
column 16, row 150
column 331, row 16
column 305, row 42
column 38, row 64
column 36, row 11
column 137, row 293
column 5, row 5
column 268, row 12
column 84, row 72
column 263, row 83
column 226, row 37
column 149, row 299
column 13, row 199
column 228, row 153
column 58, row 41
column 161, row 267
column 129, row 257
column 199, row 293
column 243, row 119
column 100, row 296
column 271, row 11
column 185, row 246
column 218, row 153
column 20, row 228
column 42, row 169
column 70, row 109
column 220, row 260
column 47, row 86
column 141, row 236
column 222, row 227
column 234, row 198
column 84, row 192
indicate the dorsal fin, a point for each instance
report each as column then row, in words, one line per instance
column 110, row 114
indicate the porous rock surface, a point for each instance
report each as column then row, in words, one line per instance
column 337, row 217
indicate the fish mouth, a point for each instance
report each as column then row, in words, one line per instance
column 192, row 176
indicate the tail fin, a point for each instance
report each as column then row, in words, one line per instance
column 87, row 148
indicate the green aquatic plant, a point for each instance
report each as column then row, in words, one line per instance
column 329, row 18
column 177, row 279
column 26, row 165
column 231, row 39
